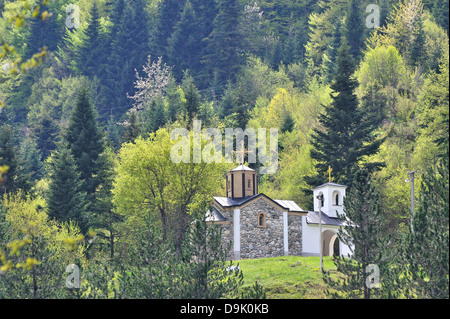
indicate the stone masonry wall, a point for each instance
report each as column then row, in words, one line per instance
column 295, row 235
column 259, row 242
column 263, row 242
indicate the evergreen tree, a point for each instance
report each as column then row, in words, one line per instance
column 441, row 14
column 355, row 29
column 205, row 13
column 118, row 7
column 33, row 168
column 46, row 133
column 85, row 141
column 169, row 15
column 208, row 277
column 365, row 233
column 174, row 100
column 130, row 47
column 347, row 136
column 224, row 58
column 192, row 99
column 43, row 32
column 415, row 54
column 288, row 123
column 183, row 46
column 155, row 116
column 91, row 57
column 331, row 52
column 14, row 178
column 104, row 216
column 113, row 134
column 426, row 252
column 132, row 128
column 66, row 198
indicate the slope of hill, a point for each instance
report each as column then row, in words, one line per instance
column 289, row 277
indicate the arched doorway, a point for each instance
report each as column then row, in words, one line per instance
column 330, row 243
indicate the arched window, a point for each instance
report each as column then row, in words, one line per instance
column 322, row 200
column 261, row 220
column 336, row 198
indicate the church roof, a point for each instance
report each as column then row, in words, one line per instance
column 241, row 168
column 329, row 184
column 313, row 218
column 290, row 205
column 214, row 216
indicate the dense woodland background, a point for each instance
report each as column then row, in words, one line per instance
column 84, row 133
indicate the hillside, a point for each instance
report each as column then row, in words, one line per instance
column 289, row 277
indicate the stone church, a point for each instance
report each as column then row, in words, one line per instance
column 259, row 226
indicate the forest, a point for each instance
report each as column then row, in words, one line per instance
column 90, row 91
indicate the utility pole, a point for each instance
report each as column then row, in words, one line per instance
column 411, row 178
column 320, row 198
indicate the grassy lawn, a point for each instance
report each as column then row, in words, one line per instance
column 288, row 277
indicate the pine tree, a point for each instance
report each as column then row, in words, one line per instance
column 155, row 115
column 46, row 133
column 331, row 52
column 46, row 33
column 183, row 45
column 288, row 123
column 132, row 128
column 192, row 98
column 347, row 136
column 104, row 215
column 205, row 13
column 14, row 179
column 365, row 233
column 129, row 49
column 169, row 14
column 113, row 133
column 355, row 29
column 426, row 252
column 224, row 58
column 85, row 141
column 92, row 53
column 66, row 198
column 31, row 159
column 415, row 54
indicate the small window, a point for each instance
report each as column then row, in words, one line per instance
column 322, row 201
column 261, row 220
column 336, row 198
column 248, row 183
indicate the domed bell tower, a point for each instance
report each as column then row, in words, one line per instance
column 241, row 182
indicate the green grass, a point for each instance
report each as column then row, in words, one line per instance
column 289, row 277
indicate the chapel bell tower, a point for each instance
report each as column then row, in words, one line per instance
column 241, row 182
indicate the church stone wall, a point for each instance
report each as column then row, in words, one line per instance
column 295, row 235
column 261, row 242
column 227, row 230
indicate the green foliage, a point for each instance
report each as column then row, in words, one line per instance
column 426, row 249
column 265, row 64
column 346, row 136
column 148, row 181
column 66, row 196
column 365, row 234
column 92, row 56
column 38, row 252
column 85, row 141
column 13, row 177
column 224, row 58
